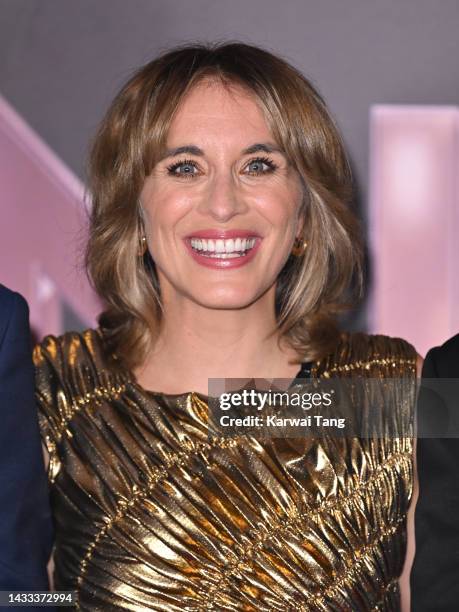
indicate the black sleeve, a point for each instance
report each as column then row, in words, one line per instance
column 435, row 572
column 25, row 525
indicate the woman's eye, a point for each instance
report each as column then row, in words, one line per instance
column 261, row 165
column 183, row 169
column 187, row 168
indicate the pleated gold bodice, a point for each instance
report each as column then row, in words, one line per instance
column 152, row 515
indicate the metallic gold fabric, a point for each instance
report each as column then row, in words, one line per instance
column 152, row 516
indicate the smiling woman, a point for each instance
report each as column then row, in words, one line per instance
column 223, row 244
column 222, row 138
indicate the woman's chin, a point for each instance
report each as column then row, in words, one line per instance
column 226, row 300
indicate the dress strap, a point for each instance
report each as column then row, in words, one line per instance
column 303, row 372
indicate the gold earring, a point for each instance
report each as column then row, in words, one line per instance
column 299, row 247
column 142, row 246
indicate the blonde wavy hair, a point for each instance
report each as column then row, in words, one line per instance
column 310, row 290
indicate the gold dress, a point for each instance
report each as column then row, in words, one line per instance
column 151, row 515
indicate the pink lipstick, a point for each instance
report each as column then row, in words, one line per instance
column 223, row 249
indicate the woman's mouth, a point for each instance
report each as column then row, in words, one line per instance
column 223, row 249
column 223, row 253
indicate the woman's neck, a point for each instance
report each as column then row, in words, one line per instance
column 219, row 344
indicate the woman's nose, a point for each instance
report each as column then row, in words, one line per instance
column 224, row 198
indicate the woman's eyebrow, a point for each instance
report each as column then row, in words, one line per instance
column 266, row 147
column 190, row 149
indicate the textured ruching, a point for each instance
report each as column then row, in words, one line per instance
column 152, row 514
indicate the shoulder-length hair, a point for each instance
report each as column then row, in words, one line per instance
column 311, row 289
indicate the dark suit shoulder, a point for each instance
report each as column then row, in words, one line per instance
column 12, row 304
column 443, row 361
column 25, row 527
column 10, row 299
column 6, row 294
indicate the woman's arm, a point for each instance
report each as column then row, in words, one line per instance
column 404, row 581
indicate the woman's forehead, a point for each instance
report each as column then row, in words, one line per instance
column 212, row 110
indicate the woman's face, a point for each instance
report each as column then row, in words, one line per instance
column 224, row 187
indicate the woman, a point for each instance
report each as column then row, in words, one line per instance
column 222, row 242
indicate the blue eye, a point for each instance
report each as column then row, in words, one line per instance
column 186, row 166
column 258, row 163
column 257, row 166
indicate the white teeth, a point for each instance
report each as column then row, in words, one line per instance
column 223, row 248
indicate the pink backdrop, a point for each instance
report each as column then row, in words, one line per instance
column 42, row 228
column 414, row 222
